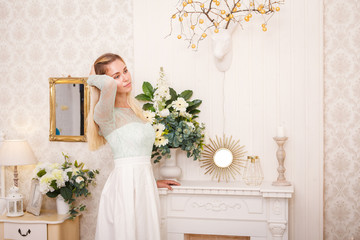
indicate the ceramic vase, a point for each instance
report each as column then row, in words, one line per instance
column 170, row 170
column 61, row 206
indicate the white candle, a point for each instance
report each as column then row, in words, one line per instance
column 280, row 131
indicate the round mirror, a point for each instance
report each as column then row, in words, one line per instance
column 223, row 157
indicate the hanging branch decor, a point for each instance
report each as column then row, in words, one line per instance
column 198, row 18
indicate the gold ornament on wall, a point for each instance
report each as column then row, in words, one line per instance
column 223, row 158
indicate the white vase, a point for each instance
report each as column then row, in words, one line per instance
column 61, row 206
column 170, row 170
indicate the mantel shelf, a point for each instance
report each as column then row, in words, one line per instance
column 266, row 189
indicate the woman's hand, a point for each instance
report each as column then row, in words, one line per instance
column 166, row 184
column 92, row 71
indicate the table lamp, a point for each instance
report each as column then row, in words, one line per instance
column 14, row 153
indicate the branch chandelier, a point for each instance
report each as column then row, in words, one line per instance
column 196, row 19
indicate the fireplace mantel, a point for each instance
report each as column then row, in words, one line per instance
column 235, row 209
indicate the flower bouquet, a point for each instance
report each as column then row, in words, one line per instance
column 173, row 118
column 67, row 179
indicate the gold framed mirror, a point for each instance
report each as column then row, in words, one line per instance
column 69, row 107
column 223, row 158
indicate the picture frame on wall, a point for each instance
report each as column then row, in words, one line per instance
column 35, row 200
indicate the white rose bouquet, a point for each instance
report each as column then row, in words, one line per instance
column 67, row 179
column 173, row 118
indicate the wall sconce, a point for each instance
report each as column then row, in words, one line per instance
column 14, row 153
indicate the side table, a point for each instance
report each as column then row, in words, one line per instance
column 48, row 226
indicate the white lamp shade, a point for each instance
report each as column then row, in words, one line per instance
column 16, row 152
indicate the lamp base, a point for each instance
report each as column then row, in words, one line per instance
column 15, row 214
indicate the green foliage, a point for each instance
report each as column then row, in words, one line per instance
column 66, row 193
column 53, row 194
column 148, row 89
column 143, row 97
column 41, row 173
column 181, row 130
column 186, row 94
column 173, row 95
column 193, row 105
column 76, row 184
column 149, row 106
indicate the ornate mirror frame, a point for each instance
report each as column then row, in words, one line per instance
column 67, row 80
column 223, row 168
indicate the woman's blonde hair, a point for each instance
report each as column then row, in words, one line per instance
column 95, row 140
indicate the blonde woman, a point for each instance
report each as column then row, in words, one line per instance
column 129, row 203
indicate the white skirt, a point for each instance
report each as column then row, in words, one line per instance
column 129, row 203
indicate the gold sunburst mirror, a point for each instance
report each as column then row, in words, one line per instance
column 223, row 158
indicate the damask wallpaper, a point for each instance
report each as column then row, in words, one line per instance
column 41, row 39
column 342, row 120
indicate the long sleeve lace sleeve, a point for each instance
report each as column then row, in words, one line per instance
column 104, row 109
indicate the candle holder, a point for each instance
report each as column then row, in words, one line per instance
column 280, row 155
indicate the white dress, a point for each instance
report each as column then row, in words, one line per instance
column 129, row 203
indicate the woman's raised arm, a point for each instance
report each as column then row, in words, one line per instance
column 104, row 109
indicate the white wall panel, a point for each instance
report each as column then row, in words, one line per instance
column 275, row 79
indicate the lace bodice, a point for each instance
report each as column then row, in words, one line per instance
column 126, row 133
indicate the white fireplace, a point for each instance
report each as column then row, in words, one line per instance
column 229, row 209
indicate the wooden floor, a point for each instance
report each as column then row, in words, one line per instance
column 213, row 237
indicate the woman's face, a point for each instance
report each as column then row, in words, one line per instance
column 121, row 75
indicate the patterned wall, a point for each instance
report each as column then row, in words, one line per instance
column 342, row 120
column 42, row 39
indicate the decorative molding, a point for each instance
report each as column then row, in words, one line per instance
column 276, row 208
column 216, row 206
column 277, row 194
column 265, row 190
column 210, row 191
column 277, row 229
